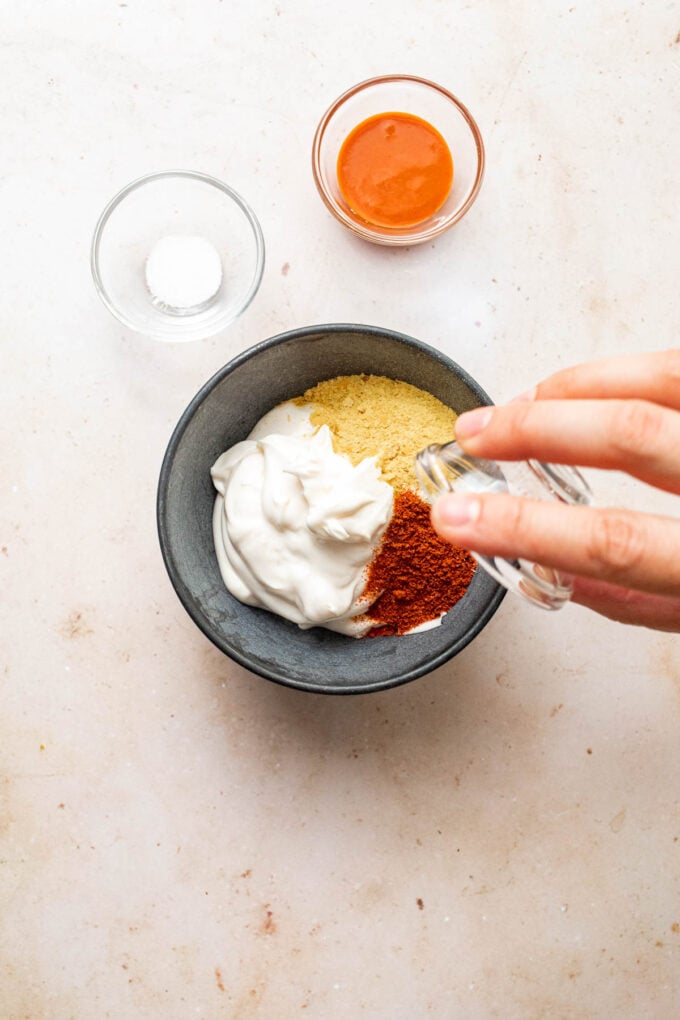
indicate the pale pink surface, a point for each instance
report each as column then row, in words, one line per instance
column 179, row 838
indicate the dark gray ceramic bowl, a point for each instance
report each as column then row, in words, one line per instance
column 222, row 413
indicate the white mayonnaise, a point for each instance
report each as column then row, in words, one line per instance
column 296, row 525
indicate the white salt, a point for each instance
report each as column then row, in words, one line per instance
column 183, row 272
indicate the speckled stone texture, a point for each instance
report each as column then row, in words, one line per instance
column 180, row 838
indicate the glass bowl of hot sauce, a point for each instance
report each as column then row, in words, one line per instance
column 398, row 159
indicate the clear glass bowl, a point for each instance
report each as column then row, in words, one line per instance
column 401, row 93
column 448, row 468
column 176, row 202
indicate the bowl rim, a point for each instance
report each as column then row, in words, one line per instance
column 203, row 178
column 382, row 236
column 183, row 592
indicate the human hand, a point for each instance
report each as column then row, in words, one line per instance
column 622, row 414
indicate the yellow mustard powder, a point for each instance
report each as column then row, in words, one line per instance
column 372, row 416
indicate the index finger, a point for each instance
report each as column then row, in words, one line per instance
column 634, row 436
column 654, row 377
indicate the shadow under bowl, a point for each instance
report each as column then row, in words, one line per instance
column 222, row 413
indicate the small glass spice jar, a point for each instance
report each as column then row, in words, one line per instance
column 448, row 468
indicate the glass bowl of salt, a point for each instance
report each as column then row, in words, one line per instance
column 177, row 255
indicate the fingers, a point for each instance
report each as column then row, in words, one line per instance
column 627, row 606
column 654, row 377
column 638, row 551
column 635, row 436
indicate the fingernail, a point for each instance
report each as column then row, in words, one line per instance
column 527, row 395
column 455, row 511
column 472, row 422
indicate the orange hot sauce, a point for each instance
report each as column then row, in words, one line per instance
column 395, row 170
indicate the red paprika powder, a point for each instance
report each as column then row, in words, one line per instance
column 419, row 575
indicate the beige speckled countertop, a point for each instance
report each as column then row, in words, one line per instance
column 179, row 838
